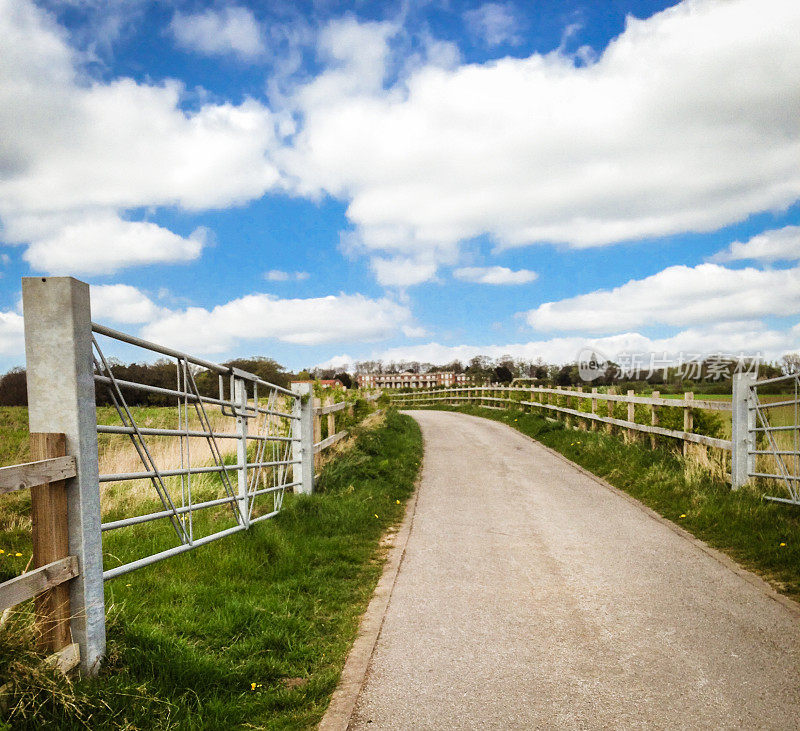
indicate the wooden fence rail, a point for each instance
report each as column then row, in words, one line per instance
column 32, row 474
column 485, row 396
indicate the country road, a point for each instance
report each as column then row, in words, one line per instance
column 531, row 596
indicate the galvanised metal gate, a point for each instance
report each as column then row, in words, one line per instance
column 260, row 415
column 774, row 443
column 268, row 429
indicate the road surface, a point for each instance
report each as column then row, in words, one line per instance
column 531, row 596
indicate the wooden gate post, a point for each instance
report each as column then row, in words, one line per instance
column 50, row 534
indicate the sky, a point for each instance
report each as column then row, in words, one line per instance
column 325, row 182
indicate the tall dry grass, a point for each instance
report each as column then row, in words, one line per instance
column 172, row 452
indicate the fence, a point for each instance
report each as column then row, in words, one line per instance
column 748, row 442
column 238, row 450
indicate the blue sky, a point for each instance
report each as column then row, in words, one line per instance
column 326, row 182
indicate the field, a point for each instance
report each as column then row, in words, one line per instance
column 250, row 631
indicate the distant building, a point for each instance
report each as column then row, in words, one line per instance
column 413, row 380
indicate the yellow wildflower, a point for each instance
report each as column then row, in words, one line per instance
column 683, row 515
column 397, row 501
column 17, row 555
column 376, row 515
column 782, row 545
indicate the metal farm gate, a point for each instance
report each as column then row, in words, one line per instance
column 774, row 436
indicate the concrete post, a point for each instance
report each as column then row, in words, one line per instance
column 240, row 399
column 58, row 348
column 303, row 435
column 743, row 421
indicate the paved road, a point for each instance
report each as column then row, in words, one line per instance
column 531, row 596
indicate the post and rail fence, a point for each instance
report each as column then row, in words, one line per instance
column 275, row 431
column 753, row 435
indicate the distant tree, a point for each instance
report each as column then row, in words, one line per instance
column 564, row 376
column 790, row 363
column 502, row 374
column 304, row 375
column 13, row 388
column 344, row 377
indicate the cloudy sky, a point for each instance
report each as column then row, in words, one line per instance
column 318, row 181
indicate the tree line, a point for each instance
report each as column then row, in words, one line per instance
column 162, row 374
column 709, row 375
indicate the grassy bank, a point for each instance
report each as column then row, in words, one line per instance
column 247, row 632
column 763, row 536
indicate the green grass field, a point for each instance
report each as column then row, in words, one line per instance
column 247, row 632
column 742, row 524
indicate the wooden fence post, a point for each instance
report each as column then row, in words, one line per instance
column 594, row 409
column 654, row 419
column 688, row 420
column 50, row 542
column 581, row 423
column 557, row 401
column 317, row 429
column 331, row 417
column 631, row 415
column 610, row 408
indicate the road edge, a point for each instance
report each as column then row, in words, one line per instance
column 354, row 674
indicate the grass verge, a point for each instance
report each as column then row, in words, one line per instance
column 248, row 632
column 761, row 535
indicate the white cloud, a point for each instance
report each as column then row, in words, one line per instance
column 76, row 152
column 338, row 363
column 403, row 271
column 781, row 244
column 336, row 318
column 686, row 122
column 411, row 331
column 494, row 23
column 99, row 243
column 678, row 296
column 495, row 275
column 228, row 31
column 123, row 304
column 278, row 275
column 12, row 341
